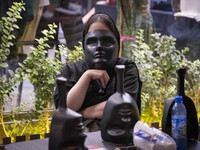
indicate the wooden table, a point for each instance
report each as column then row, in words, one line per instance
column 93, row 138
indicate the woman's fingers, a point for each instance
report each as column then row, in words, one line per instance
column 99, row 75
column 105, row 79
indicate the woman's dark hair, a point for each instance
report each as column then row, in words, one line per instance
column 105, row 19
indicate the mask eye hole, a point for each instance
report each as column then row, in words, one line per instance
column 91, row 41
column 107, row 41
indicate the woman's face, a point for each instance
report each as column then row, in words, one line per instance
column 101, row 47
column 98, row 26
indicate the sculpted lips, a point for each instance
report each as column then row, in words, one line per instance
column 99, row 55
column 79, row 127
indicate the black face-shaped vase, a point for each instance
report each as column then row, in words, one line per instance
column 66, row 132
column 192, row 120
column 120, row 114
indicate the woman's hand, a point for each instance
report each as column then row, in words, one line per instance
column 74, row 101
column 99, row 75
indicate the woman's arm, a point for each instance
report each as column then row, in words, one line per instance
column 95, row 111
column 76, row 95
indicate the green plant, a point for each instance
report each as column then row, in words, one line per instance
column 17, row 125
column 42, row 71
column 75, row 55
column 39, row 69
column 26, row 125
column 7, row 27
column 157, row 64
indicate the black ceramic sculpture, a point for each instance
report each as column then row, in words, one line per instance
column 120, row 114
column 66, row 132
column 192, row 122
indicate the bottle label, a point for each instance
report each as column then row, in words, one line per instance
column 179, row 126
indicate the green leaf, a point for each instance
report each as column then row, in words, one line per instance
column 4, row 65
column 6, row 31
column 21, row 65
column 4, row 39
column 11, row 9
column 18, row 70
column 17, row 75
column 11, row 73
column 3, row 58
column 9, row 14
column 14, row 7
column 15, row 26
column 29, row 70
column 8, row 44
column 35, row 81
column 35, row 72
column 45, row 32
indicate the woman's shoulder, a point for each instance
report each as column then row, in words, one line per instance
column 130, row 65
column 74, row 68
column 125, row 61
column 79, row 65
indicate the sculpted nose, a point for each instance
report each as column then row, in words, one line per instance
column 99, row 46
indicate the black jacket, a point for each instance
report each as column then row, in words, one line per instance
column 132, row 84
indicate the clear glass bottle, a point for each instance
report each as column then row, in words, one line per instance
column 179, row 123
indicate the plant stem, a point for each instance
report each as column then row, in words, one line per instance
column 2, row 122
column 24, row 129
column 47, row 119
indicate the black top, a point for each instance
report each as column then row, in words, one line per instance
column 132, row 84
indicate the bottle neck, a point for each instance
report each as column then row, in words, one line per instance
column 120, row 78
column 61, row 84
column 180, row 84
column 178, row 99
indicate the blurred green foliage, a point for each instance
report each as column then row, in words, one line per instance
column 157, row 63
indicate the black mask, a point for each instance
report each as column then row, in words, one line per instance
column 101, row 49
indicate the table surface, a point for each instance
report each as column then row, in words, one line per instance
column 93, row 138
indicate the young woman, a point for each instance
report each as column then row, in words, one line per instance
column 101, row 42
